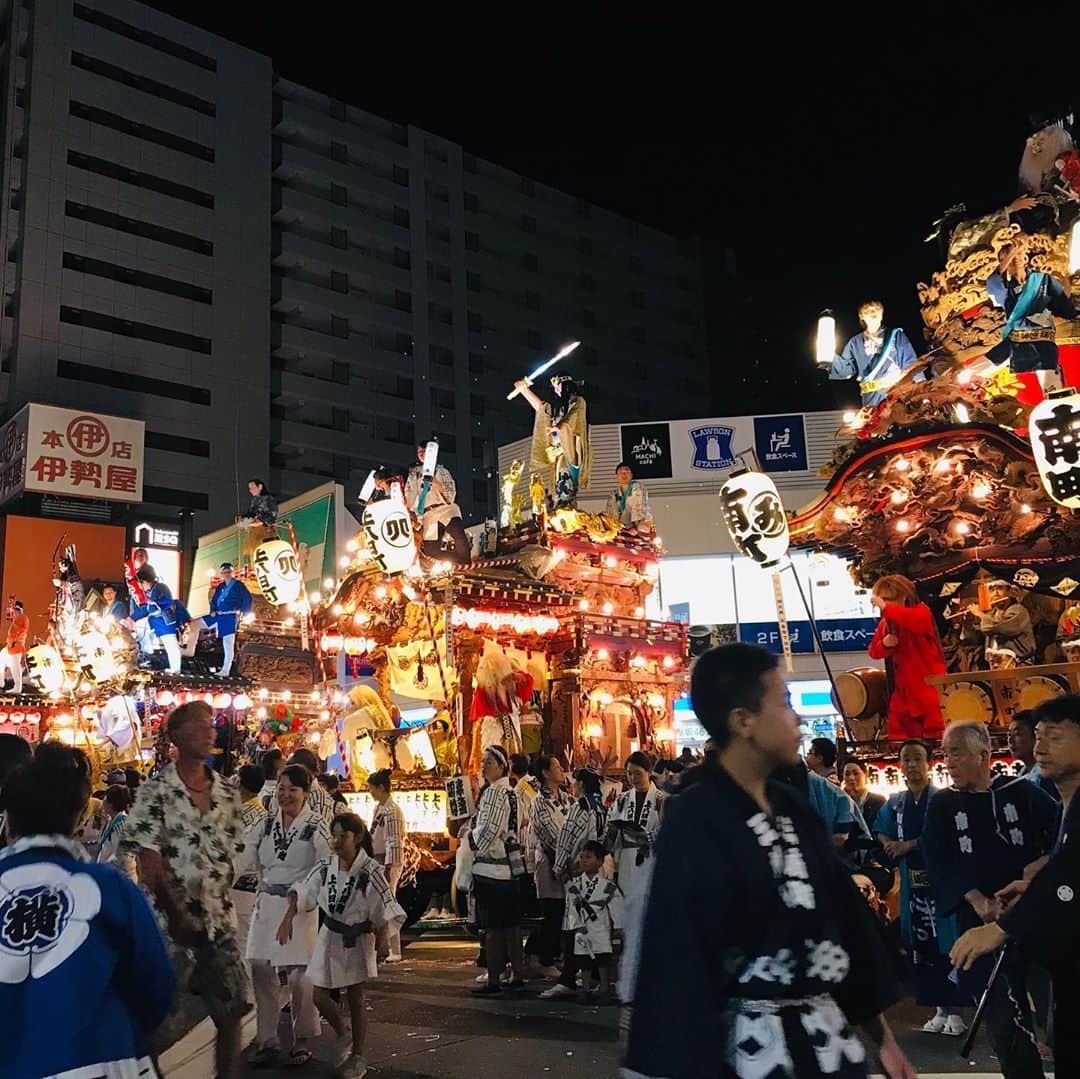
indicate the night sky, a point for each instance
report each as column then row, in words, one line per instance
column 818, row 164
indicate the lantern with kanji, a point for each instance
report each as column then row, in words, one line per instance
column 755, row 516
column 1054, row 426
column 96, row 657
column 277, row 570
column 45, row 667
column 389, row 534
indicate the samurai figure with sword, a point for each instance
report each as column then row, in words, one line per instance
column 560, row 432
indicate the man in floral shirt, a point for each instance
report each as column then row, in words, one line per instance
column 186, row 829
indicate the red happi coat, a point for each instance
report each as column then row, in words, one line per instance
column 914, row 707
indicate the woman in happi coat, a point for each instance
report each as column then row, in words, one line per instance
column 547, row 814
column 293, row 840
column 352, row 898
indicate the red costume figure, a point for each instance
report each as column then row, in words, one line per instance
column 907, row 640
column 494, row 715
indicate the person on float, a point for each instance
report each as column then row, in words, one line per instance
column 899, row 824
column 166, row 616
column 633, row 824
column 263, row 508
column 1030, row 299
column 13, row 654
column 441, row 516
column 1004, row 628
column 293, row 840
column 71, row 593
column 560, row 437
column 906, row 638
column 877, row 357
column 1039, row 912
column 495, row 711
column 388, row 834
column 229, row 603
column 354, row 901
column 629, row 501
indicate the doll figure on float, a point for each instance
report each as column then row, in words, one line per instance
column 560, row 438
column 877, row 357
column 495, row 713
column 907, row 639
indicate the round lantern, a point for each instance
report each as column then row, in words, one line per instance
column 96, row 657
column 381, row 755
column 422, row 750
column 164, row 697
column 388, row 529
column 222, row 701
column 277, row 571
column 1054, row 426
column 45, row 667
column 755, row 516
column 403, row 754
column 119, row 722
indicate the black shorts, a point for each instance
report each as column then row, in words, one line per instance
column 498, row 903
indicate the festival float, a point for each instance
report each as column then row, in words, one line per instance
column 962, row 469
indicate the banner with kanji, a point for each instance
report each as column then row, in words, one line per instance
column 83, row 454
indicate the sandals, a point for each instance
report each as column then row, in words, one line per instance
column 299, row 1057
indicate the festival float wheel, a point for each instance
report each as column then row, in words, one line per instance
column 966, row 702
column 1037, row 689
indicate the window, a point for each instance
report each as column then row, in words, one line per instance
column 123, row 380
column 473, row 282
column 637, row 299
column 402, row 300
column 529, row 261
column 401, row 217
column 476, row 404
column 437, row 312
column 438, row 232
column 402, row 258
column 532, row 300
column 584, row 245
column 437, row 271
column 588, row 318
column 339, row 195
column 472, row 241
column 340, row 419
column 401, row 175
column 476, row 363
column 339, row 372
column 478, row 448
column 443, row 399
column 81, row 212
column 443, row 357
column 535, row 340
column 141, row 82
column 403, row 343
column 476, row 322
column 528, row 224
column 394, row 430
column 143, row 331
column 397, row 386
column 436, row 191
column 194, row 447
column 472, row 203
column 139, row 278
column 145, row 180
column 586, row 282
column 339, row 327
column 339, row 237
column 144, row 37
column 339, row 281
column 137, row 130
column 339, row 152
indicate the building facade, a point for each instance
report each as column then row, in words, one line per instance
column 282, row 285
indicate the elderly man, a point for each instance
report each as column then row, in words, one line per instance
column 1041, row 910
column 979, row 836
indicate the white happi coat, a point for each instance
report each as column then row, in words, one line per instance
column 354, row 897
column 283, row 859
column 631, row 875
column 591, row 914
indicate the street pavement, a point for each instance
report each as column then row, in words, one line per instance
column 424, row 1024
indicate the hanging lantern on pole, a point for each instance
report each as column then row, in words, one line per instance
column 45, row 667
column 825, row 351
column 755, row 516
column 389, row 534
column 1054, row 427
column 277, row 571
column 96, row 657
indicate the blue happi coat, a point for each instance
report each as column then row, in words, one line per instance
column 230, row 601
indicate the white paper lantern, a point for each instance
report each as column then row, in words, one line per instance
column 755, row 516
column 389, row 533
column 96, row 656
column 119, row 722
column 45, row 667
column 1054, row 426
column 826, row 340
column 277, row 569
column 422, row 750
column 403, row 755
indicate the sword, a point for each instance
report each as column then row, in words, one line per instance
column 534, row 375
column 431, row 457
column 980, row 1011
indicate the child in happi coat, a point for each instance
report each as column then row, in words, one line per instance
column 591, row 914
column 354, row 900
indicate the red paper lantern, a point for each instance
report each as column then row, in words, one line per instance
column 280, row 710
